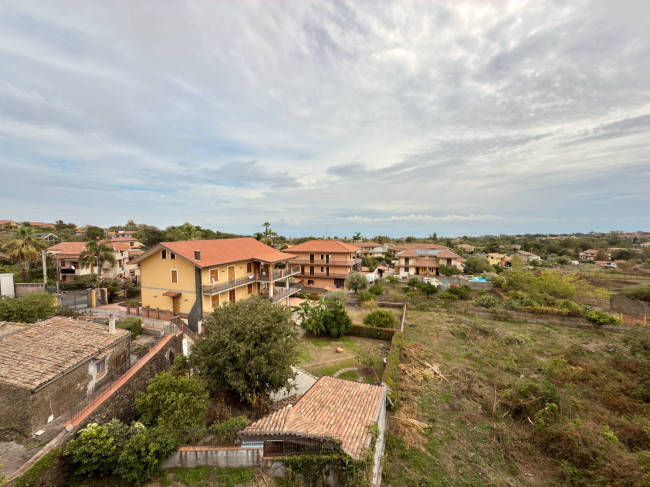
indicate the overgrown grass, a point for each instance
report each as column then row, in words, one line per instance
column 205, row 476
column 519, row 404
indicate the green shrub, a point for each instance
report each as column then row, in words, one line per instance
column 365, row 296
column 225, row 432
column 371, row 304
column 485, row 301
column 336, row 320
column 133, row 324
column 391, row 372
column 447, row 296
column 32, row 477
column 463, row 292
column 95, row 450
column 28, row 308
column 132, row 292
column 600, row 318
column 380, row 318
column 339, row 296
column 143, row 453
column 314, row 296
column 641, row 293
column 376, row 289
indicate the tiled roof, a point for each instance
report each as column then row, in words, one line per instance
column 330, row 408
column 68, row 249
column 46, row 349
column 447, row 254
column 220, row 251
column 325, row 246
column 369, row 244
column 494, row 255
column 124, row 239
column 418, row 247
column 407, row 253
column 427, row 262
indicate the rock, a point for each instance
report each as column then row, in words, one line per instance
column 339, row 350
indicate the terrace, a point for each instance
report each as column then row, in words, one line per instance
column 273, row 276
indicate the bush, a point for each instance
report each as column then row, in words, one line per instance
column 447, row 296
column 380, row 318
column 336, row 320
column 225, row 432
column 32, row 477
column 314, row 296
column 392, row 371
column 28, row 308
column 143, row 453
column 371, row 304
column 365, row 296
column 393, row 280
column 132, row 292
column 173, row 402
column 357, row 282
column 95, row 450
column 462, row 292
column 339, row 296
column 133, row 324
column 376, row 289
column 485, row 301
column 601, row 318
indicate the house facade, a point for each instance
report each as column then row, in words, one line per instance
column 419, row 249
column 46, row 367
column 372, row 249
column 192, row 278
column 325, row 264
column 68, row 257
column 590, row 254
column 425, row 262
column 495, row 258
column 526, row 256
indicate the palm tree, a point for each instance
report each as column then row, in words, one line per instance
column 23, row 247
column 97, row 253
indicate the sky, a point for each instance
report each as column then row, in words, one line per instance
column 328, row 118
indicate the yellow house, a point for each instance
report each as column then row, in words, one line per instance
column 192, row 278
column 498, row 259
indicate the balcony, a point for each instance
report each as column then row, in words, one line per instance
column 324, row 274
column 277, row 274
column 226, row 286
column 348, row 262
column 282, row 293
column 67, row 271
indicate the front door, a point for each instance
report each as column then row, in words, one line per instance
column 231, row 296
column 231, row 273
column 175, row 305
column 327, row 259
column 339, row 283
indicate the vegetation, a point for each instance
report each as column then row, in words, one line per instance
column 173, row 402
column 357, row 282
column 381, row 318
column 23, row 247
column 339, row 296
column 28, row 308
column 96, row 254
column 133, row 324
column 326, row 317
column 226, row 431
column 248, row 349
column 32, row 477
column 376, row 289
column 642, row 293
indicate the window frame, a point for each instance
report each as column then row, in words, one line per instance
column 171, row 275
column 100, row 364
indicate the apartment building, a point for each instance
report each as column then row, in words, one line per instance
column 192, row 278
column 419, row 249
column 372, row 249
column 68, row 257
column 325, row 264
column 425, row 263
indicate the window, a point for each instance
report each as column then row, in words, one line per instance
column 322, row 256
column 214, row 275
column 172, row 255
column 322, row 269
column 310, row 282
column 249, row 267
column 250, row 289
column 163, row 254
column 174, row 275
column 100, row 368
column 215, row 300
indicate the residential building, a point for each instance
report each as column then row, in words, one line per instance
column 419, row 249
column 192, row 278
column 590, row 254
column 121, row 233
column 41, row 224
column 372, row 249
column 49, row 238
column 334, row 414
column 46, row 367
column 465, row 247
column 325, row 264
column 132, row 242
column 495, row 258
column 526, row 256
column 70, row 266
column 645, row 244
column 9, row 223
column 413, row 263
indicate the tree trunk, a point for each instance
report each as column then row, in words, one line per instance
column 24, row 265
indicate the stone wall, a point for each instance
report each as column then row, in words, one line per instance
column 120, row 404
column 631, row 311
column 14, row 412
column 225, row 456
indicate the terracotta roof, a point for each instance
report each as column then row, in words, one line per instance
column 407, row 253
column 494, row 255
column 46, row 349
column 427, row 262
column 369, row 244
column 68, row 249
column 220, row 251
column 120, row 246
column 332, row 407
column 325, row 246
column 418, row 247
column 447, row 254
column 124, row 239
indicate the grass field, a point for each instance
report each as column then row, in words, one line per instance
column 493, row 403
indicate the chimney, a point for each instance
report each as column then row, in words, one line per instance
column 111, row 323
column 197, row 255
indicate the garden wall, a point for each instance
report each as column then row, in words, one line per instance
column 23, row 288
column 631, row 311
column 372, row 332
column 457, row 281
column 215, row 456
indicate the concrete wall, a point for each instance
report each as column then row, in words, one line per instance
column 226, row 456
column 120, row 404
column 155, row 280
column 382, row 423
column 29, row 288
column 460, row 282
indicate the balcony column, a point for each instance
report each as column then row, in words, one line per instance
column 270, row 289
column 287, row 283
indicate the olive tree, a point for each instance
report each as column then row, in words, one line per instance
column 357, row 282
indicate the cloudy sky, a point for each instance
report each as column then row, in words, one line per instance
column 328, row 118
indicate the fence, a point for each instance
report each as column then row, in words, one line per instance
column 165, row 325
column 74, row 300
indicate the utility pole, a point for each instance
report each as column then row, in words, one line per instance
column 43, row 255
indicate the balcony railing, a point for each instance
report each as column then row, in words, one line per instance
column 277, row 274
column 325, row 262
column 281, row 293
column 323, row 274
column 225, row 286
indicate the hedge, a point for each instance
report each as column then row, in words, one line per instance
column 133, row 324
column 371, row 332
column 35, row 473
column 391, row 372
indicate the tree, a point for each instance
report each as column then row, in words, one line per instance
column 96, row 254
column 93, row 232
column 185, row 232
column 150, row 236
column 143, row 453
column 248, row 348
column 28, row 308
column 268, row 233
column 357, row 282
column 173, row 402
column 393, row 280
column 340, row 296
column 448, row 270
column 477, row 265
column 429, row 289
column 381, row 318
column 23, row 247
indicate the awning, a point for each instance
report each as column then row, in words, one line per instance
column 172, row 294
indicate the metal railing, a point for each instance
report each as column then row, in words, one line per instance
column 326, row 262
column 281, row 293
column 323, row 274
column 277, row 274
column 250, row 279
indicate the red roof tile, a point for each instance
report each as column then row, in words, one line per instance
column 330, row 408
column 325, row 246
column 46, row 349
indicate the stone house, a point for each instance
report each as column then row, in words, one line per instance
column 46, row 367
